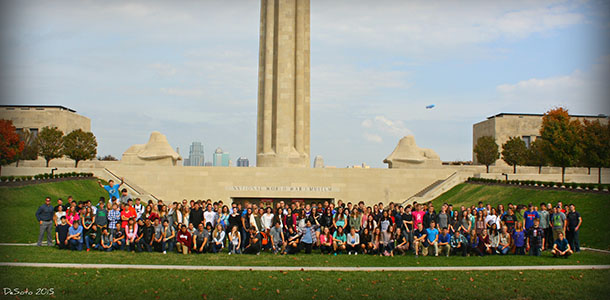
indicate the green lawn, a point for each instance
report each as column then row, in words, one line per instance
column 19, row 205
column 595, row 230
column 178, row 284
column 49, row 254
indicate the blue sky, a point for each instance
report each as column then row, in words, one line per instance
column 189, row 69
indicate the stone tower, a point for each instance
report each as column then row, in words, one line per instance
column 283, row 85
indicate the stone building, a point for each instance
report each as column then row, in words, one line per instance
column 506, row 125
column 35, row 117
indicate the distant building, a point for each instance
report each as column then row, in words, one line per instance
column 35, row 117
column 243, row 162
column 221, row 158
column 506, row 125
column 196, row 157
column 318, row 162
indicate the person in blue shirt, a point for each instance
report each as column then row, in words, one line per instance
column 111, row 188
column 432, row 239
column 529, row 216
column 75, row 236
column 561, row 247
column 443, row 242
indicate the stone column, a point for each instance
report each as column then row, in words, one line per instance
column 283, row 85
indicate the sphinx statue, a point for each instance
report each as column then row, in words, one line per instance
column 408, row 155
column 156, row 152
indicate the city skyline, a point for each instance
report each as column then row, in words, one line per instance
column 191, row 70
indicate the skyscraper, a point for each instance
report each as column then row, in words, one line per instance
column 221, row 158
column 195, row 155
column 243, row 162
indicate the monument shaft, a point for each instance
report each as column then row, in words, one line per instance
column 283, row 85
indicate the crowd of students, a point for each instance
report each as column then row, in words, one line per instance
column 205, row 226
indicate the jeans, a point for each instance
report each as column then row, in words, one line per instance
column 47, row 227
column 76, row 245
column 168, row 245
column 573, row 240
column 503, row 250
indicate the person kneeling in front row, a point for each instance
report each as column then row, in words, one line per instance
column 561, row 247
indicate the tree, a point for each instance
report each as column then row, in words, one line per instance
column 486, row 150
column 50, row 143
column 107, row 158
column 30, row 149
column 10, row 145
column 562, row 138
column 596, row 146
column 514, row 152
column 80, row 145
column 535, row 155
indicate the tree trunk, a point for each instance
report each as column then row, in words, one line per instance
column 599, row 175
column 515, row 169
column 487, row 166
column 563, row 175
column 48, row 160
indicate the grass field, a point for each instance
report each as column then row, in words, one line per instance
column 19, row 205
column 595, row 230
column 50, row 254
column 175, row 284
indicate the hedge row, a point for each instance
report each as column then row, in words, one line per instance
column 569, row 185
column 44, row 176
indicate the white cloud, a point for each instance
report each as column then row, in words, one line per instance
column 372, row 137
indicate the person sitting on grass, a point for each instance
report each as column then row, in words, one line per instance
column 61, row 233
column 169, row 235
column 419, row 239
column 234, row 240
column 366, row 243
column 106, row 241
column 485, row 243
column 353, row 242
column 459, row 243
column 201, row 238
column 75, row 236
column 535, row 238
column 431, row 239
column 218, row 239
column 278, row 241
column 443, row 242
column 339, row 239
column 561, row 247
column 254, row 245
column 118, row 239
column 504, row 241
column 147, row 237
column 473, row 243
column 184, row 241
column 92, row 238
column 326, row 241
column 402, row 244
column 519, row 238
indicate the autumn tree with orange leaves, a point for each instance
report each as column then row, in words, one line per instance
column 10, row 144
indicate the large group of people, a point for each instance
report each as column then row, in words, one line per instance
column 187, row 227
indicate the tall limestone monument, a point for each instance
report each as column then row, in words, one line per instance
column 283, row 85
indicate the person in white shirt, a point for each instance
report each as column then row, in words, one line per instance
column 267, row 219
column 210, row 216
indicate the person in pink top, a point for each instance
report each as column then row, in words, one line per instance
column 418, row 215
column 131, row 231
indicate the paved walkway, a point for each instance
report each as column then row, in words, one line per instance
column 280, row 268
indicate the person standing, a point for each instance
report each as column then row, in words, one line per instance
column 111, row 188
column 44, row 215
column 574, row 222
